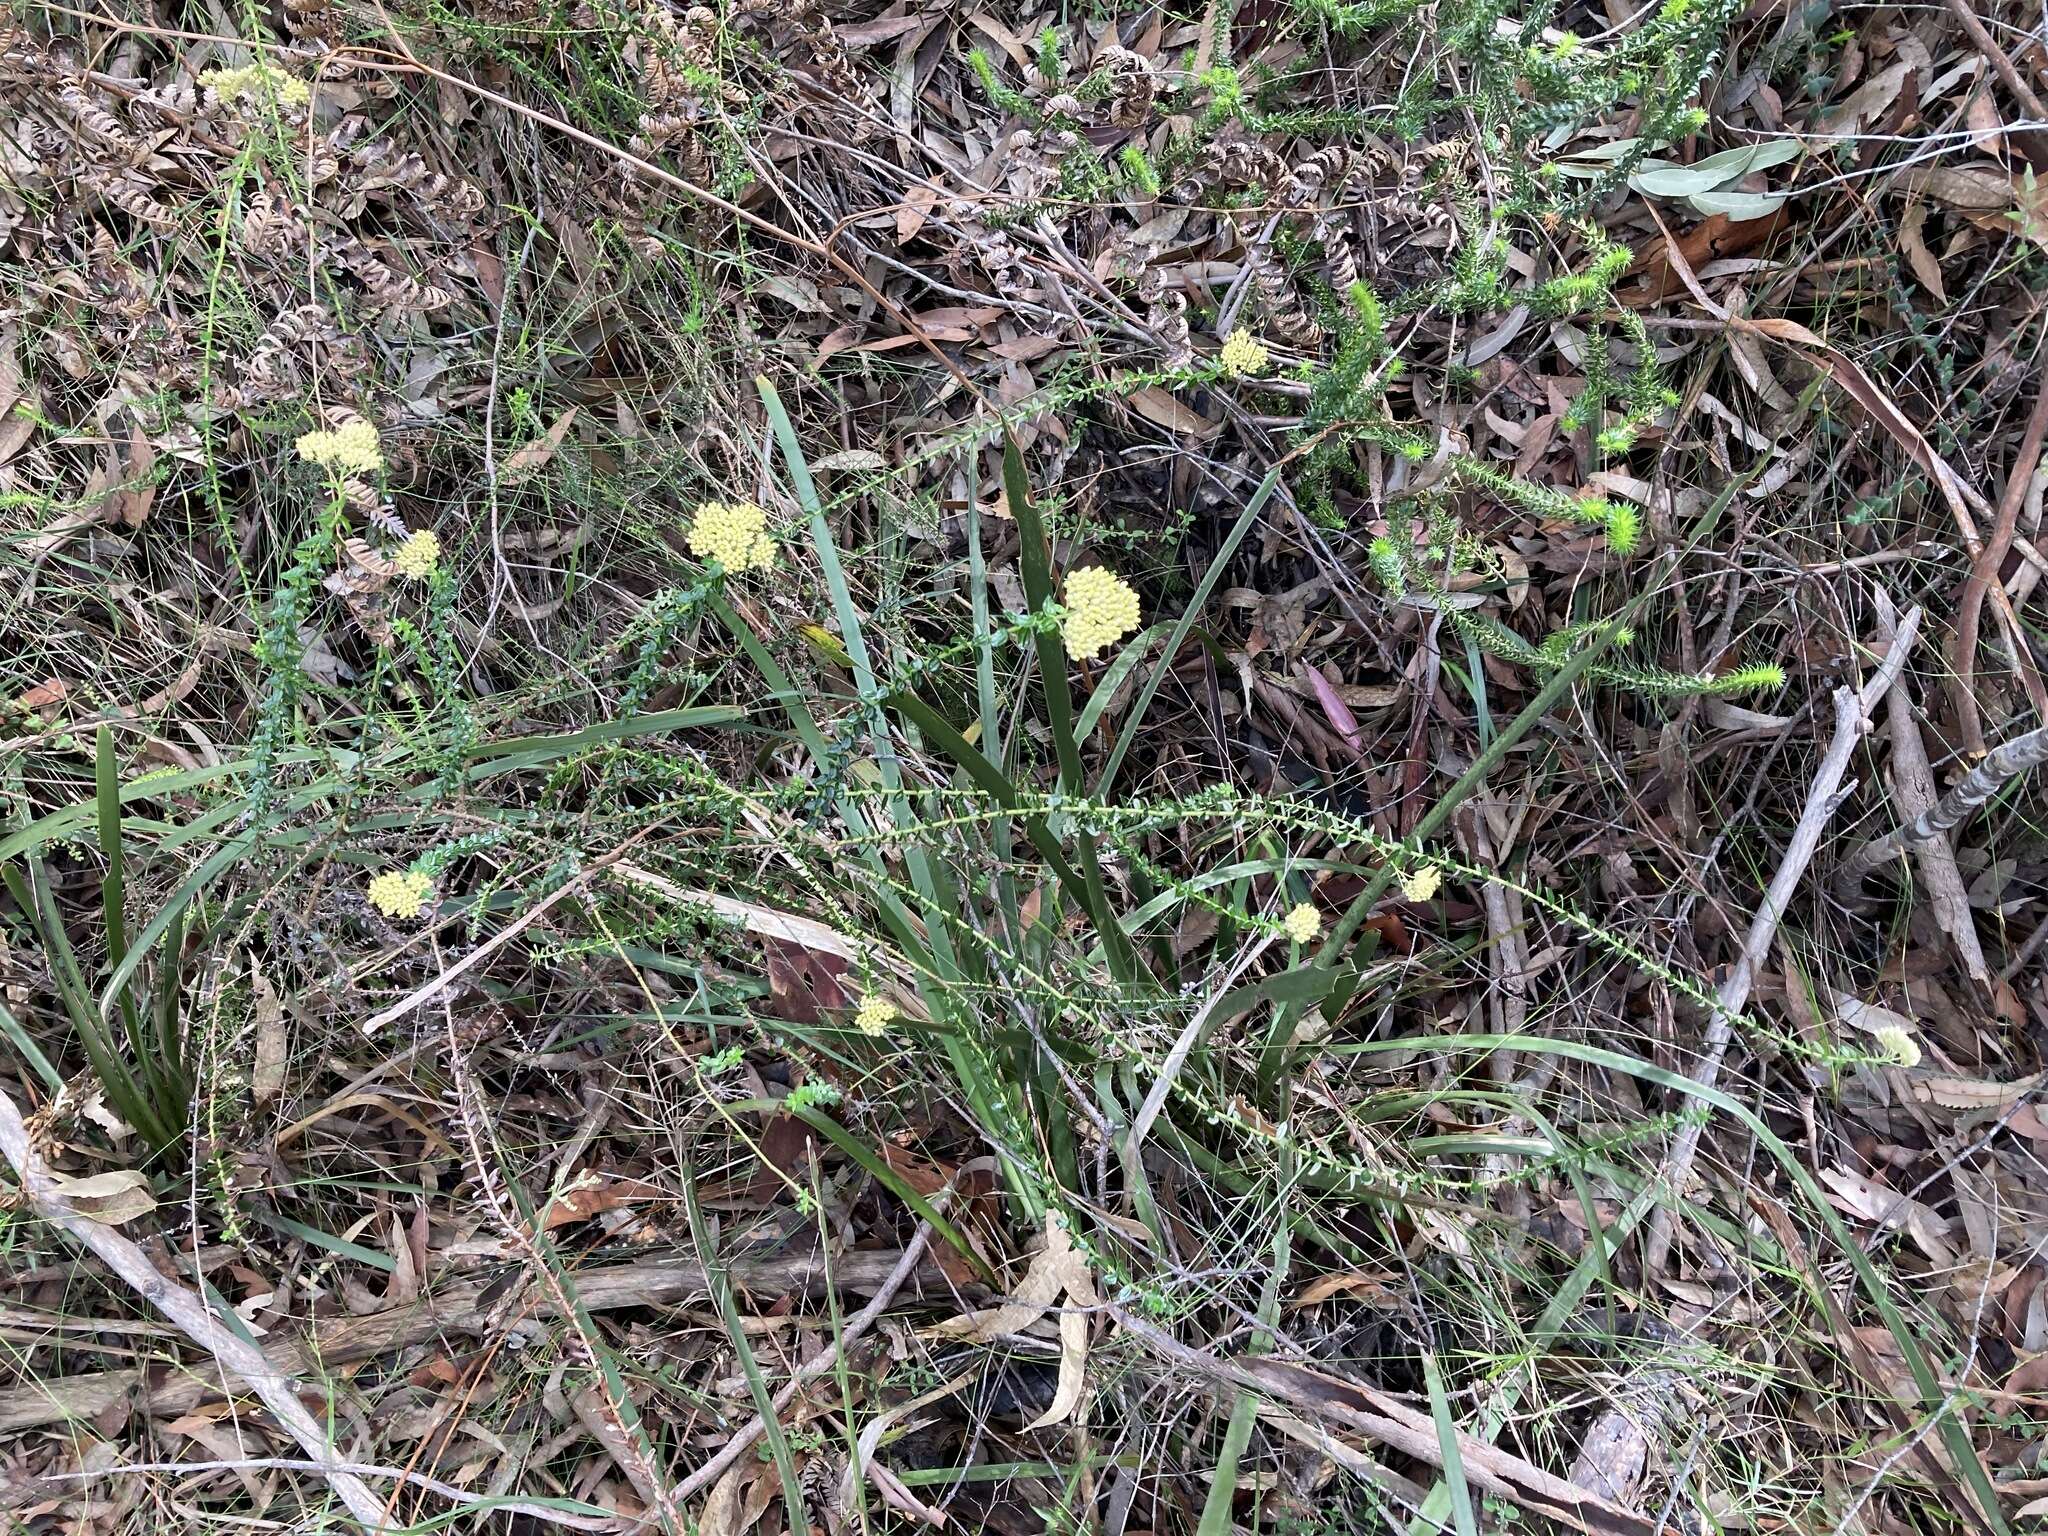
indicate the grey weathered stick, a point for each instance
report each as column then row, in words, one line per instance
column 447, row 1491
column 1852, row 719
column 465, row 1308
column 277, row 1391
column 1914, row 788
column 2004, row 763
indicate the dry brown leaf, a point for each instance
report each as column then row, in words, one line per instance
column 1968, row 1093
column 916, row 207
column 138, row 491
column 1350, row 1282
column 738, row 1499
column 50, row 691
column 1156, row 405
column 1073, row 1364
column 1058, row 1267
column 1883, row 1206
column 1335, row 710
column 533, row 458
column 584, row 1201
column 107, row 1198
column 266, row 1078
column 1972, row 191
column 1918, row 257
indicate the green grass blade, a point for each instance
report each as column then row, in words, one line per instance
column 843, row 609
column 1189, row 614
column 113, row 885
column 1463, row 1515
column 722, row 1298
column 991, row 781
column 1035, row 561
column 30, row 1052
column 1934, row 1399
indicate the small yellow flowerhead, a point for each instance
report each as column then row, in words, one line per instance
column 418, row 555
column 1101, row 609
column 735, row 534
column 1302, row 923
column 400, row 892
column 875, row 1014
column 255, row 79
column 1243, row 356
column 1900, row 1046
column 352, row 448
column 1423, row 884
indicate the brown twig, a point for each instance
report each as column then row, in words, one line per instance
column 279, row 1393
column 459, row 1496
column 1981, row 38
column 467, row 1308
column 1970, row 604
column 1852, row 719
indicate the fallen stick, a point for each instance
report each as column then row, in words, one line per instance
column 2006, row 762
column 1852, row 720
column 1986, row 570
column 1914, row 788
column 470, row 1308
column 194, row 1318
column 458, row 1496
column 1386, row 1420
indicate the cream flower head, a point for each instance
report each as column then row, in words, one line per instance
column 353, row 448
column 1898, row 1045
column 255, row 79
column 735, row 534
column 418, row 555
column 1244, row 355
column 1423, row 883
column 875, row 1014
column 400, row 892
column 1101, row 609
column 1302, row 924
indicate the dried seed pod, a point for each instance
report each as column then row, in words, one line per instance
column 91, row 116
column 1133, row 86
column 313, row 20
column 271, row 231
column 129, row 192
column 377, row 567
column 1284, row 311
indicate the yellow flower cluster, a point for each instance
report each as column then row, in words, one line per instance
column 1898, row 1045
column 1244, row 355
column 1423, row 884
column 735, row 534
column 1302, row 924
column 875, row 1014
column 418, row 555
column 400, row 892
column 1101, row 610
column 350, row 449
column 254, row 79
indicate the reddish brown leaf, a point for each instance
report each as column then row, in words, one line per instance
column 803, row 983
column 532, row 459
